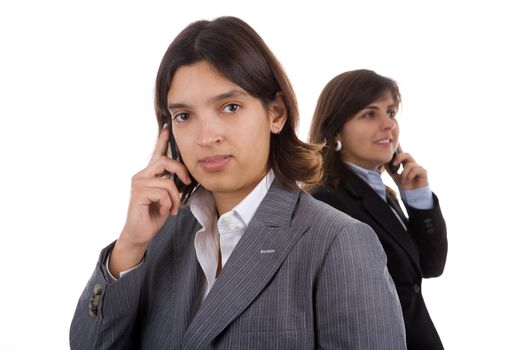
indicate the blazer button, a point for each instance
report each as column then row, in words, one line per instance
column 93, row 311
column 427, row 220
column 97, row 290
column 416, row 288
column 93, row 305
column 430, row 231
column 95, row 299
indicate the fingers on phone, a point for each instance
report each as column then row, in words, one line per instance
column 161, row 201
column 161, row 147
column 404, row 159
column 412, row 171
column 165, row 165
column 157, row 192
column 178, row 169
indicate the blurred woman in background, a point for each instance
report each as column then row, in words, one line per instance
column 356, row 118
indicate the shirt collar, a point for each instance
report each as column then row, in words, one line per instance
column 372, row 178
column 202, row 205
column 247, row 207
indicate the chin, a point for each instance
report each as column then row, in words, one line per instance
column 385, row 158
column 219, row 185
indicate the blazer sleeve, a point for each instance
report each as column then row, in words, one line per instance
column 357, row 306
column 429, row 232
column 107, row 309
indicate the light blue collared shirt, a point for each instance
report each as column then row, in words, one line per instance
column 419, row 198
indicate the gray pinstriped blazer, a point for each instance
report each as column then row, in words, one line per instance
column 303, row 276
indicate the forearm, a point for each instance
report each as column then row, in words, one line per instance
column 124, row 257
column 429, row 232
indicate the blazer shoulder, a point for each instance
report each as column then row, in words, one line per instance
column 322, row 213
column 323, row 191
column 335, row 197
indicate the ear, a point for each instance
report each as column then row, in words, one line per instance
column 277, row 113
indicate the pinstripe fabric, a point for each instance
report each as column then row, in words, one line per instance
column 303, row 276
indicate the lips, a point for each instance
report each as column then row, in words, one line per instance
column 214, row 163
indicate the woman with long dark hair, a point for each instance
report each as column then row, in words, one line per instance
column 248, row 261
column 356, row 119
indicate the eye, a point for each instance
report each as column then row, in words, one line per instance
column 181, row 117
column 392, row 113
column 369, row 115
column 231, row 108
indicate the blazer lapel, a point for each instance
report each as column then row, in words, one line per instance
column 380, row 211
column 188, row 271
column 252, row 264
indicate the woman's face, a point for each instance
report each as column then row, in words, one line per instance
column 222, row 132
column 370, row 138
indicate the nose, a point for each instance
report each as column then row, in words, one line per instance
column 387, row 123
column 209, row 133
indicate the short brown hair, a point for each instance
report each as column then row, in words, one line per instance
column 238, row 53
column 341, row 99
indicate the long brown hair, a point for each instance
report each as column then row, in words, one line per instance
column 341, row 99
column 237, row 52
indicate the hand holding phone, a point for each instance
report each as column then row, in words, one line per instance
column 394, row 169
column 411, row 176
column 153, row 199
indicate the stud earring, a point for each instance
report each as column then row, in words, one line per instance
column 338, row 146
column 275, row 129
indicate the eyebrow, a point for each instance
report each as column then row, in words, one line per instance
column 375, row 107
column 220, row 97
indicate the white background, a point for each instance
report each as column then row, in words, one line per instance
column 77, row 121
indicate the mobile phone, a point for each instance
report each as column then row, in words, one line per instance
column 173, row 154
column 393, row 168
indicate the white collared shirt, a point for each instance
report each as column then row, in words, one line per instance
column 227, row 230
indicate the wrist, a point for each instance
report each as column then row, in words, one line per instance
column 125, row 256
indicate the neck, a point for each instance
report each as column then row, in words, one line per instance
column 364, row 166
column 227, row 201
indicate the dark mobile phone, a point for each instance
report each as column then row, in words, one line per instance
column 173, row 154
column 393, row 168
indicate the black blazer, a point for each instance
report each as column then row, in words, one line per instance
column 420, row 252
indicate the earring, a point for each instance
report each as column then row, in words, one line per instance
column 338, row 146
column 275, row 129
